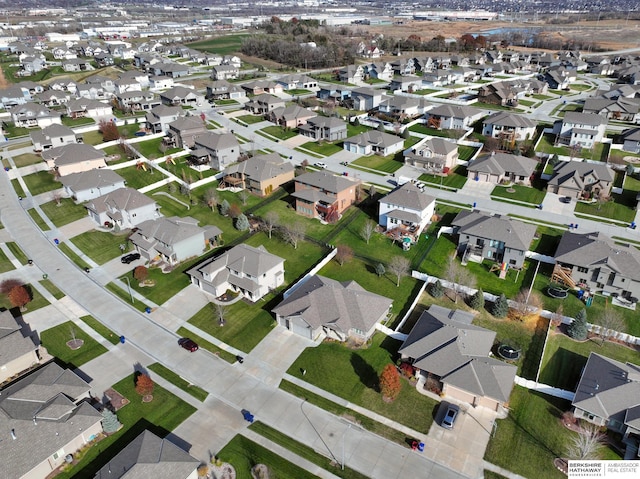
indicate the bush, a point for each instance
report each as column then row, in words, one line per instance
column 390, row 382
column 141, row 273
column 436, row 290
column 242, row 223
column 500, row 307
column 578, row 328
column 224, row 208
column 477, row 300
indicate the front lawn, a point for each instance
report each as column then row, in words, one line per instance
column 37, row 301
column 5, row 264
column 63, row 213
column 353, row 375
column 101, row 246
column 17, row 252
column 55, row 340
column 250, row 119
column 175, row 379
column 525, row 194
column 139, row 177
column 41, row 182
column 101, row 329
column 26, row 159
column 204, row 344
column 386, row 164
column 322, row 148
column 278, row 132
column 455, row 179
column 620, row 208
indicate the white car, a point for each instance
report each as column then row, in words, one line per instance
column 320, row 164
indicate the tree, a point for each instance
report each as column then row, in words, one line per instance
column 477, row 300
column 525, row 304
column 109, row 130
column 303, row 165
column 406, row 134
column 399, row 266
column 211, row 198
column 8, row 284
column 500, row 307
column 380, row 269
column 578, row 329
column 458, row 276
column 587, row 444
column 242, row 223
column 556, row 318
column 380, row 126
column 57, row 197
column 293, row 233
column 224, row 207
column 141, row 273
column 367, row 230
column 610, row 322
column 436, row 290
column 390, row 385
column 185, row 190
column 372, row 191
column 144, row 385
column 235, row 210
column 19, row 296
column 110, row 423
column 630, row 170
column 270, row 221
column 344, row 254
column 243, row 195
column 221, row 312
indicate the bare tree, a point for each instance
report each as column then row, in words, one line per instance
column 270, row 221
column 458, row 276
column 587, row 443
column 367, row 230
column 221, row 312
column 525, row 304
column 556, row 318
column 399, row 266
column 610, row 322
column 344, row 254
column 57, row 197
column 293, row 233
column 243, row 195
column 211, row 198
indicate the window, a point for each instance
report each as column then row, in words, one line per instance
column 582, row 269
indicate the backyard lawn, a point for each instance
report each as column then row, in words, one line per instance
column 92, row 138
column 64, row 213
column 138, row 178
column 525, row 194
column 101, row 246
column 465, row 153
column 41, row 182
column 183, row 171
column 55, row 340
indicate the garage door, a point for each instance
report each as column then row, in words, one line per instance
column 299, row 327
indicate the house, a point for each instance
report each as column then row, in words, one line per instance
column 453, row 117
column 86, row 185
column 19, row 347
column 173, row 70
column 63, row 84
column 406, row 209
column 172, row 240
column 509, row 128
column 51, row 98
column 225, row 72
column 263, row 104
column 620, row 109
column 30, row 115
column 365, row 99
column 291, row 116
column 87, row 108
column 374, row 142
column 124, row 208
column 53, row 136
column 150, row 456
column 92, row 92
column 500, row 168
column 321, row 194
column 137, row 100
column 183, row 96
column 74, row 158
column 438, row 78
column 579, row 179
column 436, row 156
column 452, row 356
column 218, row 150
column 260, row 175
column 250, row 271
column 298, row 81
column 595, row 263
column 127, row 84
column 380, row 71
column 608, row 394
column 497, row 238
column 45, row 419
column 223, row 90
column 337, row 310
column 351, row 74
column 580, row 129
column 32, row 64
column 403, row 107
column 324, row 128
column 631, row 140
column 183, row 132
column 501, row 93
column 160, row 83
column 12, row 96
column 159, row 117
column 77, row 65
column 406, row 84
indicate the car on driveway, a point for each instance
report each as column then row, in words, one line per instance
column 130, row 258
column 566, row 199
column 448, row 415
column 188, row 344
column 320, row 164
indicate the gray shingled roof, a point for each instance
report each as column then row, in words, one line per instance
column 501, row 163
column 122, row 199
column 577, row 170
column 513, row 233
column 13, row 344
column 261, row 167
column 149, row 456
column 375, row 138
column 187, row 123
column 504, row 118
column 86, row 180
column 169, row 231
column 592, row 119
column 72, row 153
column 217, row 141
column 326, row 181
column 454, row 111
column 408, row 196
column 244, row 259
column 340, row 306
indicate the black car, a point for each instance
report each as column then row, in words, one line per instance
column 566, row 199
column 130, row 258
column 188, row 344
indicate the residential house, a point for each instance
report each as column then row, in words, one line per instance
column 263, row 104
column 127, row 84
column 579, row 179
column 87, row 108
column 608, row 394
column 30, row 115
column 92, row 92
column 403, row 107
column 321, row 194
column 501, row 168
column 406, row 83
column 324, row 307
column 259, row 87
column 580, row 129
column 556, row 80
column 104, row 59
column 595, row 263
column 218, row 150
column 438, row 78
column 173, row 70
column 180, row 95
column 86, row 185
column 53, row 136
column 150, row 456
column 51, row 98
column 619, row 109
column 291, row 116
column 160, row 83
column 436, row 156
column 250, row 271
column 19, row 347
column 337, row 95
column 497, row 238
column 453, row 117
column 223, row 90
column 324, row 128
column 259, row 175
column 352, row 74
column 380, row 71
column 509, row 128
column 142, row 78
column 184, row 131
column 225, row 72
column 32, row 64
column 159, row 117
column 365, row 99
column 631, row 140
column 104, row 82
column 453, row 357
column 12, row 96
column 374, row 142
column 405, row 66
column 63, row 53
column 45, row 418
column 407, row 209
column 124, row 208
column 172, row 240
column 77, row 65
column 501, row 93
column 74, row 158
column 137, row 100
column 298, row 81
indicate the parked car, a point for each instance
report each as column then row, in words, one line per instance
column 130, row 258
column 449, row 414
column 188, row 344
column 566, row 199
column 320, row 164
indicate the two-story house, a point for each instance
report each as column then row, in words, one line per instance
column 223, row 90
column 437, row 156
column 263, row 104
column 32, row 115
column 579, row 179
column 74, row 158
column 161, row 116
column 225, row 72
column 323, row 195
column 179, row 95
column 453, row 117
column 324, row 128
column 406, row 210
column 124, row 208
column 260, row 175
column 53, row 136
column 291, row 116
column 87, row 108
column 509, row 128
column 87, row 185
column 218, row 150
column 581, row 129
column 184, row 131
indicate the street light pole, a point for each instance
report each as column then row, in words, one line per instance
column 130, row 292
column 343, row 436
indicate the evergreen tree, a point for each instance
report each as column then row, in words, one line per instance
column 477, row 300
column 380, row 269
column 224, row 207
column 578, row 328
column 500, row 307
column 110, row 423
column 242, row 223
column 436, row 290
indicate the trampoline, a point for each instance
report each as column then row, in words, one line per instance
column 557, row 292
column 508, row 352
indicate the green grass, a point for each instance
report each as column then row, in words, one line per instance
column 622, row 208
column 304, row 451
column 35, row 216
column 52, row 288
column 71, row 122
column 243, row 454
column 139, row 178
column 250, row 119
column 278, row 132
column 525, row 194
column 204, row 344
column 17, row 252
column 101, row 246
column 386, row 164
column 160, row 416
column 175, row 379
column 353, row 375
column 71, row 254
column 17, row 187
column 26, row 159
column 420, row 128
column 124, row 295
column 546, row 145
column 92, row 138
column 353, row 130
column 41, row 182
column 222, row 45
column 67, row 212
column 5, row 264
column 55, row 340
column 324, row 148
column 183, row 171
column 465, row 153
column 101, row 329
column 455, row 179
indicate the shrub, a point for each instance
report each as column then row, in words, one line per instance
column 390, row 382
column 500, row 307
column 436, row 290
column 477, row 300
column 144, row 385
column 224, row 207
column 578, row 328
column 141, row 273
column 19, row 296
column 242, row 223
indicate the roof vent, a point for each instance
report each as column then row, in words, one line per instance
column 13, row 434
